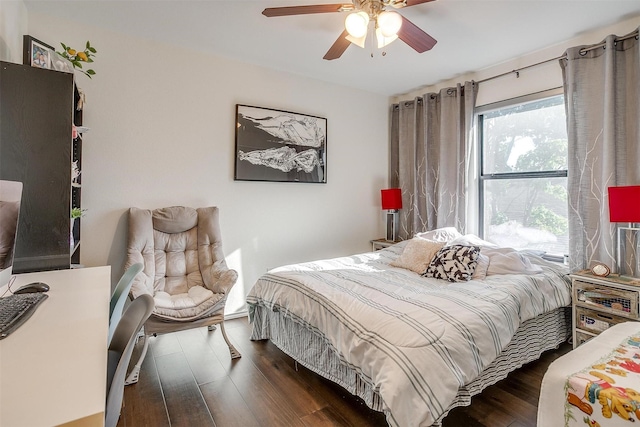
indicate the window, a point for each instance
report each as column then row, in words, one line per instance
column 523, row 174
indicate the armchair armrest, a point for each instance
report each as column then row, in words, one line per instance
column 218, row 278
column 142, row 284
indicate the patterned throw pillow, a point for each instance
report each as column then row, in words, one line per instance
column 454, row 263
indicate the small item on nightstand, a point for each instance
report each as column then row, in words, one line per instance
column 617, row 306
column 600, row 270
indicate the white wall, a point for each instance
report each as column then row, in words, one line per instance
column 162, row 133
column 532, row 80
column 13, row 25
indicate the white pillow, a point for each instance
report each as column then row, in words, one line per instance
column 417, row 255
column 509, row 261
column 446, row 234
column 472, row 240
column 481, row 268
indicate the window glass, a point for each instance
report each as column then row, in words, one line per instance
column 526, row 138
column 528, row 213
column 523, row 177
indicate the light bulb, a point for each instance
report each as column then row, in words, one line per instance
column 389, row 23
column 357, row 23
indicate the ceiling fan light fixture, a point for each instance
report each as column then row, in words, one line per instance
column 356, row 24
column 358, row 41
column 389, row 23
column 382, row 40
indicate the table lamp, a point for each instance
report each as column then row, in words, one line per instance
column 624, row 206
column 392, row 201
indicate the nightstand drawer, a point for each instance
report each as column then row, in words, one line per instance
column 604, row 298
column 594, row 321
column 581, row 338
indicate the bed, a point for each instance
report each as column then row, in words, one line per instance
column 597, row 384
column 410, row 346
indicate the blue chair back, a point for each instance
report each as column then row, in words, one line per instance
column 119, row 296
column 119, row 354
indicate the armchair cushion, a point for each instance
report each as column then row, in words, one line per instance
column 174, row 219
column 185, row 306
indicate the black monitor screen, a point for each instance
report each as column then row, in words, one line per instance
column 10, row 196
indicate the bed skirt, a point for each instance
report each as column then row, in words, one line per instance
column 309, row 348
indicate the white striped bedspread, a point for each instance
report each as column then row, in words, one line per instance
column 415, row 340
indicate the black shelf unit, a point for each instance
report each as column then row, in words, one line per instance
column 36, row 116
column 76, row 185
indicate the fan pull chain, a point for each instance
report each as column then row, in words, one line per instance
column 372, row 36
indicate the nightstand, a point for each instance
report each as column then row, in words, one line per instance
column 601, row 302
column 378, row 244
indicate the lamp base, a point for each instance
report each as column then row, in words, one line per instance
column 392, row 225
column 628, row 251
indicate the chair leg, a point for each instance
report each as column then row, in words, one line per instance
column 234, row 353
column 135, row 372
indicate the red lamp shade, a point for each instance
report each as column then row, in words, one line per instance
column 391, row 198
column 624, row 204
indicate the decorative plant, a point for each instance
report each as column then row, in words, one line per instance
column 77, row 57
column 75, row 172
column 77, row 213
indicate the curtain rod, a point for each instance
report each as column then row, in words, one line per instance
column 564, row 56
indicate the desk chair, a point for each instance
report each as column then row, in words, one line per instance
column 184, row 270
column 120, row 293
column 120, row 350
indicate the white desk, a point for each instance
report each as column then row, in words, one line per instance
column 53, row 368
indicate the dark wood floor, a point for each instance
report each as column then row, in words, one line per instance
column 189, row 379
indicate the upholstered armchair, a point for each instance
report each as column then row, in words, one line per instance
column 184, row 270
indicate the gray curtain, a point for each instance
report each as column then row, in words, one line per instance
column 430, row 146
column 602, row 96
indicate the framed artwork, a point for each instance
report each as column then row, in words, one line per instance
column 36, row 53
column 281, row 146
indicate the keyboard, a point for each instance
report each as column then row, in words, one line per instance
column 17, row 309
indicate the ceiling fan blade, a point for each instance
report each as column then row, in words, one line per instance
column 412, row 35
column 415, row 2
column 338, row 47
column 303, row 10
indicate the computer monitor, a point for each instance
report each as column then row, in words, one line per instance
column 10, row 197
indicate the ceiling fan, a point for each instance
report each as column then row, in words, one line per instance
column 387, row 25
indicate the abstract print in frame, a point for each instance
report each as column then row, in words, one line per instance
column 275, row 145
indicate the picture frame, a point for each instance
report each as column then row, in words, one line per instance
column 279, row 146
column 36, row 53
column 60, row 63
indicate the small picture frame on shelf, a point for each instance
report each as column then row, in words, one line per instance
column 36, row 53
